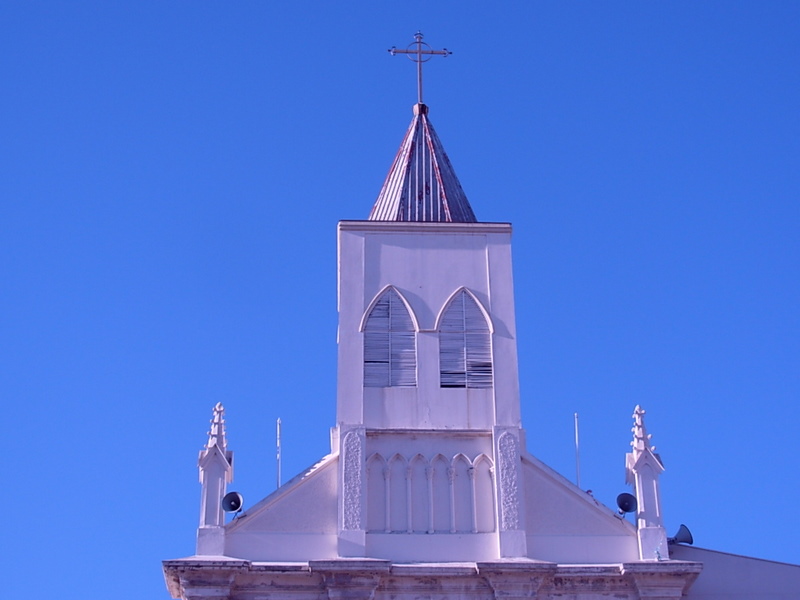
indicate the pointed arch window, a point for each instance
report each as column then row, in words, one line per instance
column 465, row 352
column 390, row 344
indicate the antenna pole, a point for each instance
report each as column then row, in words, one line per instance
column 577, row 454
column 278, row 449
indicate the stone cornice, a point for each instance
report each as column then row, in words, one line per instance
column 366, row 579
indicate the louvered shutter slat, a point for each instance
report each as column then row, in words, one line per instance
column 452, row 359
column 403, row 359
column 390, row 352
column 465, row 352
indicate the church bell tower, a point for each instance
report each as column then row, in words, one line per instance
column 428, row 418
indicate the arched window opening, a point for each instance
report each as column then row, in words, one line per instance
column 484, row 494
column 377, row 475
column 465, row 352
column 390, row 345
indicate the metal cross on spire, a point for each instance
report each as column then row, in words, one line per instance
column 422, row 53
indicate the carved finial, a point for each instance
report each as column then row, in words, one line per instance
column 641, row 440
column 640, row 444
column 215, row 464
column 642, row 469
column 216, row 436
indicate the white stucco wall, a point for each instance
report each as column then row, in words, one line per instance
column 427, row 263
column 295, row 523
column 567, row 525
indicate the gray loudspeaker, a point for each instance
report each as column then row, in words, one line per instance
column 684, row 536
column 627, row 503
column 232, row 502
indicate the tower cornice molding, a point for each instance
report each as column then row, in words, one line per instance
column 423, row 227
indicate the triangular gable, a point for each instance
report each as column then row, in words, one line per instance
column 305, row 504
column 567, row 524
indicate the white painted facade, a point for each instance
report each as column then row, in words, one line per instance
column 428, row 490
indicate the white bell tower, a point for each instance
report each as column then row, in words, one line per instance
column 428, row 402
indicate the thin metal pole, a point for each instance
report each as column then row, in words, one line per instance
column 278, row 449
column 418, row 38
column 577, row 454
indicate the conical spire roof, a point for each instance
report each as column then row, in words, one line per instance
column 421, row 184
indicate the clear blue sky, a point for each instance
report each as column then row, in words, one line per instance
column 170, row 182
